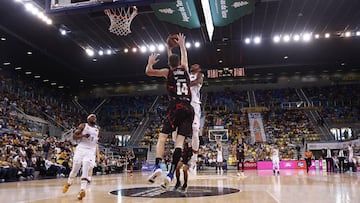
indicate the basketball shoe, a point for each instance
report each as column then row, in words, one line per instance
column 177, row 185
column 184, row 187
column 156, row 173
column 167, row 181
column 192, row 164
column 81, row 195
column 66, row 187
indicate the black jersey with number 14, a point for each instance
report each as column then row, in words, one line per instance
column 178, row 84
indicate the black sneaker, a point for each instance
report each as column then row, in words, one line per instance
column 184, row 187
column 177, row 185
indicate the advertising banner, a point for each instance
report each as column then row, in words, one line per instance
column 257, row 131
column 249, row 165
column 287, row 164
column 180, row 12
column 225, row 12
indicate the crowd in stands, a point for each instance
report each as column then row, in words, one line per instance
column 338, row 103
column 275, row 97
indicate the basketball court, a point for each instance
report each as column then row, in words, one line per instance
column 256, row 186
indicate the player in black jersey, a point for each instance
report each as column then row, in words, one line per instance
column 180, row 113
column 185, row 158
column 240, row 155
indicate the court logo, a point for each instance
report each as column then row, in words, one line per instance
column 156, row 192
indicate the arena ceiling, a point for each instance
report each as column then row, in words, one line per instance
column 36, row 47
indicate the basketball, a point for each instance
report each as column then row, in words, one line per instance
column 172, row 41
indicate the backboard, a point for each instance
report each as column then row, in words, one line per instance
column 60, row 6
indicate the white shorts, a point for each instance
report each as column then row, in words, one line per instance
column 85, row 154
column 197, row 115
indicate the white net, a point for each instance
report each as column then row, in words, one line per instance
column 120, row 19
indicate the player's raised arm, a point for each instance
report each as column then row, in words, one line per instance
column 150, row 71
column 184, row 59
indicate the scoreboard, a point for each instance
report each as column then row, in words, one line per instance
column 225, row 72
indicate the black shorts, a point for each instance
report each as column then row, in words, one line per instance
column 240, row 156
column 180, row 114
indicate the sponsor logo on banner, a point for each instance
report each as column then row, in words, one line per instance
column 249, row 165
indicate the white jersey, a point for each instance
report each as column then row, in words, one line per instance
column 91, row 141
column 219, row 157
column 195, row 90
column 275, row 153
column 351, row 152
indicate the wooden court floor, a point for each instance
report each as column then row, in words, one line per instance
column 290, row 186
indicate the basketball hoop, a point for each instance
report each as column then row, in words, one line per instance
column 120, row 19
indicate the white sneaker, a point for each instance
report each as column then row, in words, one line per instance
column 167, row 181
column 156, row 173
column 192, row 162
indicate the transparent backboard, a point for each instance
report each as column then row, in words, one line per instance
column 64, row 5
column 58, row 6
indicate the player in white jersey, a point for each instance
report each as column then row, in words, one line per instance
column 87, row 135
column 196, row 81
column 351, row 159
column 275, row 159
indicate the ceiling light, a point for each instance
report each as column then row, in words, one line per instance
column 134, row 49
column 296, row 37
column 317, row 36
column 28, row 73
column 220, row 61
column 286, row 38
column 81, row 81
column 126, row 50
column 218, row 49
column 307, row 37
column 357, row 34
column 188, row 45
column 53, row 83
column 197, row 44
column 257, row 40
column 152, row 48
column 29, row 53
column 161, row 47
column 101, row 52
column 3, row 39
column 108, row 52
column 29, row 6
column 60, row 87
column 18, row 68
column 47, row 20
column 94, row 60
column 89, row 52
column 46, row 80
column 6, row 63
column 348, row 34
column 36, row 76
column 63, row 32
column 327, row 35
column 276, row 39
column 247, row 41
column 143, row 49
